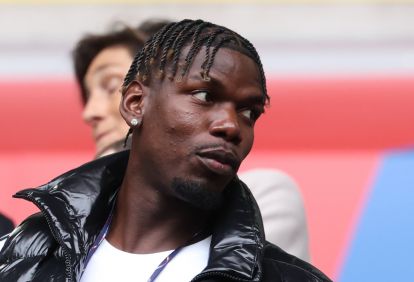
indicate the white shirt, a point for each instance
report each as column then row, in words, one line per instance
column 111, row 264
column 2, row 243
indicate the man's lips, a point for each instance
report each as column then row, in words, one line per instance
column 219, row 160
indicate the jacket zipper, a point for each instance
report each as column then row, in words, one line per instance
column 215, row 274
column 68, row 266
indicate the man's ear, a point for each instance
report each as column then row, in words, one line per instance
column 132, row 103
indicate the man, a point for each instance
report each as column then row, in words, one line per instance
column 101, row 62
column 173, row 205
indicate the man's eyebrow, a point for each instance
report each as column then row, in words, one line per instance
column 254, row 99
column 257, row 99
column 211, row 79
column 106, row 66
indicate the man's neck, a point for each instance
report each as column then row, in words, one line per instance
column 147, row 220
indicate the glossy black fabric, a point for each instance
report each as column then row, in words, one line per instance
column 52, row 245
column 6, row 225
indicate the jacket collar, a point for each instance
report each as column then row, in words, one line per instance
column 77, row 204
column 238, row 237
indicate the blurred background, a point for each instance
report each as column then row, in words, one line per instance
column 341, row 121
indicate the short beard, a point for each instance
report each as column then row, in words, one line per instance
column 196, row 194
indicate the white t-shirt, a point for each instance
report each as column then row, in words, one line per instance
column 111, row 264
column 2, row 243
column 3, row 240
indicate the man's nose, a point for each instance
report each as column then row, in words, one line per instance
column 94, row 109
column 225, row 124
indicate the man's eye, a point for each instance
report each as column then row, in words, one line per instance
column 112, row 84
column 247, row 113
column 202, row 96
column 250, row 114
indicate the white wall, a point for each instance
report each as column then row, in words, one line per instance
column 292, row 39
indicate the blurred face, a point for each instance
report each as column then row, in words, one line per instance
column 203, row 129
column 103, row 80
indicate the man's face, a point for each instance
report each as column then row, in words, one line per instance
column 102, row 81
column 195, row 133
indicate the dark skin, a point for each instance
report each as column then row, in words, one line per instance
column 195, row 131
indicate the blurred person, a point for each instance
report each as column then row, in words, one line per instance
column 6, row 225
column 101, row 61
column 175, row 196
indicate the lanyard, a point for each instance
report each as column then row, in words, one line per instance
column 104, row 231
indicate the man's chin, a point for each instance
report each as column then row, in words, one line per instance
column 197, row 194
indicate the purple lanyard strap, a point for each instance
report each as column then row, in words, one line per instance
column 160, row 267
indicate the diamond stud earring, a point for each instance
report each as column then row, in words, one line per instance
column 134, row 122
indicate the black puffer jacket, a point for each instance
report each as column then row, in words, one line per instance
column 52, row 245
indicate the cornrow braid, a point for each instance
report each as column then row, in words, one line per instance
column 175, row 31
column 177, row 46
column 158, row 38
column 256, row 58
column 170, row 40
column 183, row 35
column 208, row 46
column 172, row 27
column 165, row 48
column 195, row 47
column 213, row 54
column 132, row 72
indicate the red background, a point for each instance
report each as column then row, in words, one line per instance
column 328, row 133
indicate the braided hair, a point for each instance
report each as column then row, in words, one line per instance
column 165, row 47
